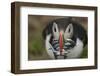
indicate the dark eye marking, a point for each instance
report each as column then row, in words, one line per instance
column 55, row 29
column 69, row 30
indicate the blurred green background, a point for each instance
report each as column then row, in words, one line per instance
column 36, row 44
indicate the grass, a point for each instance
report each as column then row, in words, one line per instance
column 85, row 53
column 36, row 45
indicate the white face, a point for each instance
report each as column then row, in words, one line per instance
column 67, row 34
column 63, row 38
column 55, row 31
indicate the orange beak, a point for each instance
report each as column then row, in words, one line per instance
column 61, row 43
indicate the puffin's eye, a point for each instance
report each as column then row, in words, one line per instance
column 55, row 31
column 68, row 32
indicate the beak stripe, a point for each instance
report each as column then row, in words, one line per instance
column 61, row 43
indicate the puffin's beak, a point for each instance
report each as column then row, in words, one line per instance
column 61, row 43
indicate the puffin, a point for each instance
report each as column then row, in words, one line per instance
column 64, row 38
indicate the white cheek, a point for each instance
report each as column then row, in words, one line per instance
column 66, row 36
column 56, row 35
column 55, row 31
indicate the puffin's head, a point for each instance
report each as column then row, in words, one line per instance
column 59, row 36
column 62, row 35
